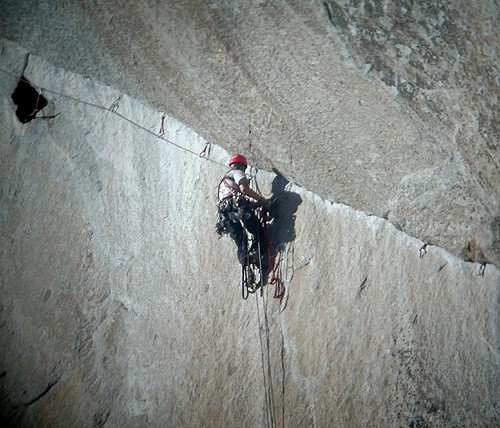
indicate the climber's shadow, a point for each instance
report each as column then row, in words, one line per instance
column 283, row 212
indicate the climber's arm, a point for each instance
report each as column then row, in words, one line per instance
column 245, row 188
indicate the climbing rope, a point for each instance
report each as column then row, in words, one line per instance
column 266, row 368
column 277, row 277
column 274, row 270
column 36, row 110
column 113, row 108
column 245, row 269
column 244, row 280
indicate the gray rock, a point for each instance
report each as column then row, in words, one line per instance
column 120, row 307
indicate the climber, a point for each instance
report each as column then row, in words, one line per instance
column 237, row 204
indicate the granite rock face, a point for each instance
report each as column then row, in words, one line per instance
column 442, row 57
column 121, row 307
column 388, row 107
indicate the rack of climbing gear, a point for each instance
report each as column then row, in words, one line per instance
column 254, row 275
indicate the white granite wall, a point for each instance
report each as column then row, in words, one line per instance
column 121, row 307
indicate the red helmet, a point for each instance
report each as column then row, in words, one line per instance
column 237, row 158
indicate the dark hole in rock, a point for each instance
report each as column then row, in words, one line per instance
column 28, row 100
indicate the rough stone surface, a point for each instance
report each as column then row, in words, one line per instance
column 388, row 107
column 120, row 307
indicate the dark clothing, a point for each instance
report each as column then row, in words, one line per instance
column 236, row 216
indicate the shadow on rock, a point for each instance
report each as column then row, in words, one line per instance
column 283, row 212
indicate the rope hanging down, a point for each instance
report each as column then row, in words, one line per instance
column 274, row 258
column 266, row 368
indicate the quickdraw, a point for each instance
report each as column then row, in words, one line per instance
column 206, row 150
column 161, row 132
column 114, row 107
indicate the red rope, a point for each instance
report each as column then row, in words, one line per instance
column 36, row 109
column 279, row 287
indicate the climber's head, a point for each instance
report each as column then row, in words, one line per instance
column 238, row 161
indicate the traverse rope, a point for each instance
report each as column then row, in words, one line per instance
column 113, row 109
